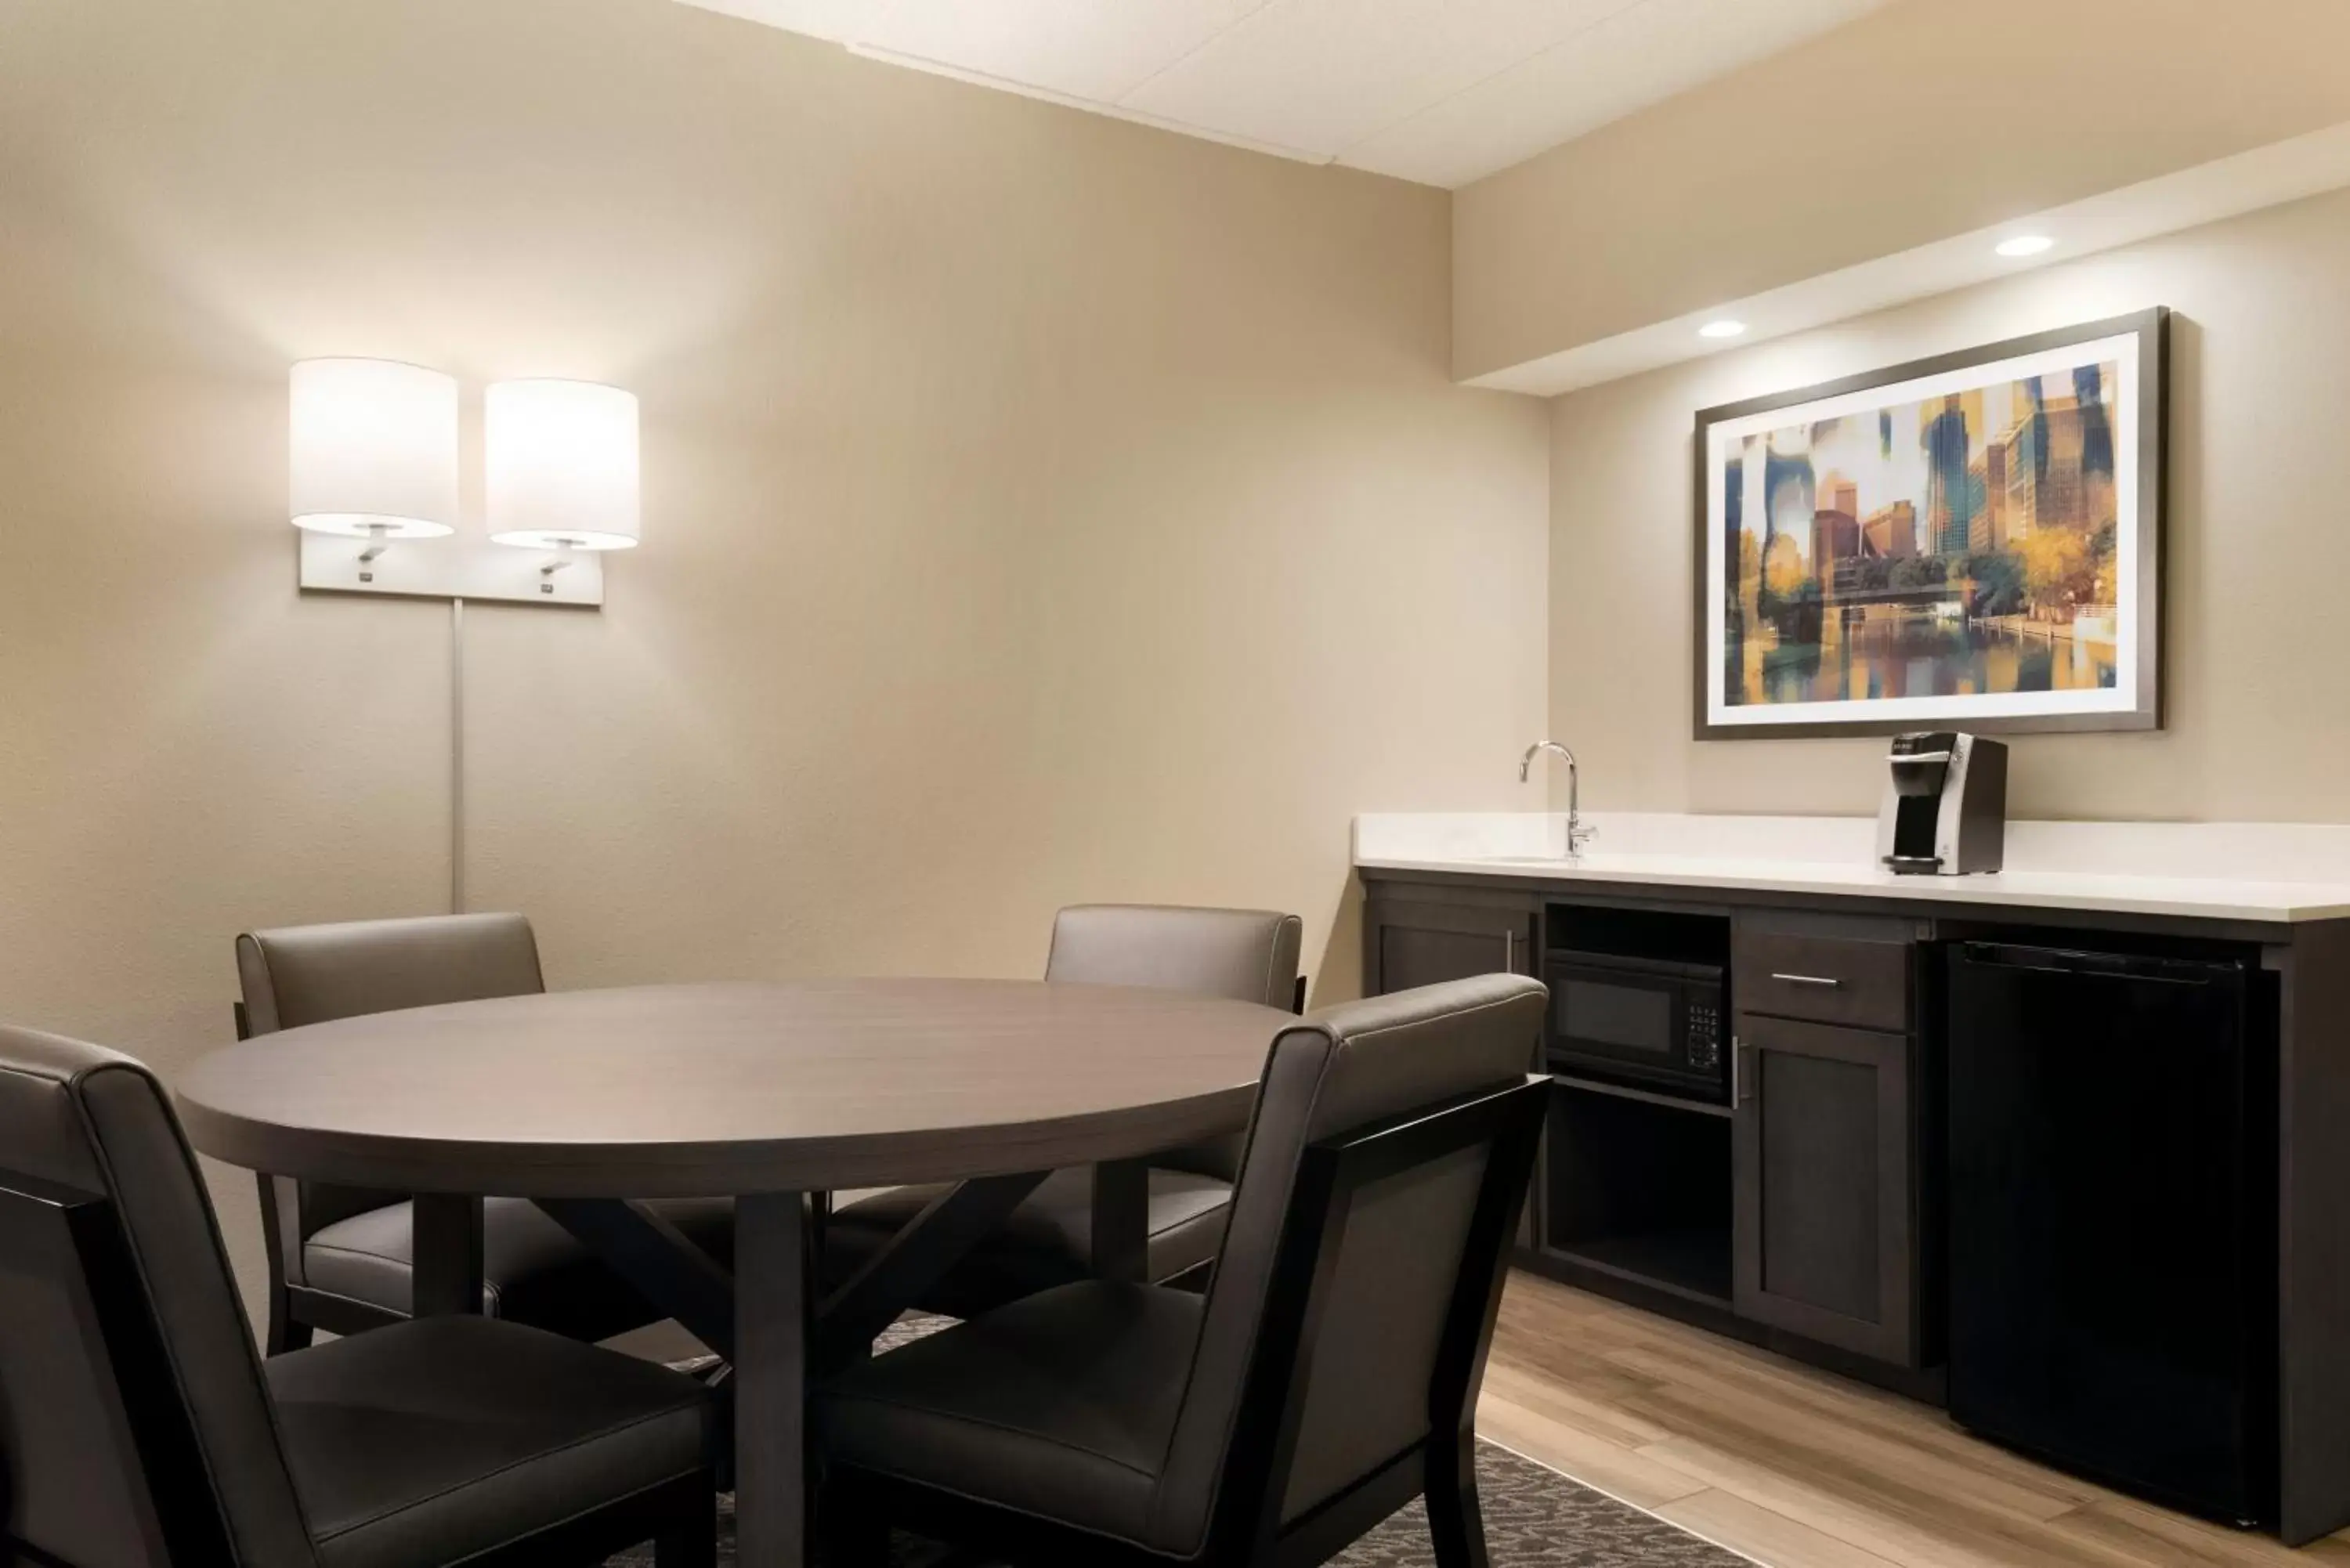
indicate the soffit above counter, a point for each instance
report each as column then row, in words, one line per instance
column 2265, row 177
column 1880, row 163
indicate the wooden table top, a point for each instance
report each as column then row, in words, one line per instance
column 678, row 1091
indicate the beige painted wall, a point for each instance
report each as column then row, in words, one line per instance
column 2259, row 712
column 1038, row 508
column 1919, row 121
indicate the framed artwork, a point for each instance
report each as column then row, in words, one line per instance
column 1971, row 542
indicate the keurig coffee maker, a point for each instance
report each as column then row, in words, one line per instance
column 1945, row 811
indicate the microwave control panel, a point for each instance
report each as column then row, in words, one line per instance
column 1704, row 1036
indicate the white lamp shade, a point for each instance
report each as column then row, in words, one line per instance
column 374, row 446
column 561, row 465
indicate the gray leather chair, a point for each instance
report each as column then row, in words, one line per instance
column 339, row 1257
column 1329, row 1375
column 1249, row 955
column 138, row 1429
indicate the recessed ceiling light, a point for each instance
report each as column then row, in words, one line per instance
column 1724, row 328
column 2025, row 246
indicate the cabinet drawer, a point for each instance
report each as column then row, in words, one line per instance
column 1832, row 979
column 1409, row 942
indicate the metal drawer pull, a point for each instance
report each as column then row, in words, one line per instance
column 1809, row 979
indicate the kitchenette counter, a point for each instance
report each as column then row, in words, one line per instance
column 2265, row 873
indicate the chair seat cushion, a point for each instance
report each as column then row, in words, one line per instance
column 1047, row 1241
column 428, row 1442
column 1061, row 1405
column 532, row 1269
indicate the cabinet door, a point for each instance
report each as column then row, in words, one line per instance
column 1411, row 941
column 1417, row 939
column 1824, row 1231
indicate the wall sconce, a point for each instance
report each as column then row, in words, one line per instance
column 373, row 453
column 562, row 470
column 374, row 447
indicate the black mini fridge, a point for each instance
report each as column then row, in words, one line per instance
column 2112, row 1219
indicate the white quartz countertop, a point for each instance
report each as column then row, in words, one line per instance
column 2267, row 872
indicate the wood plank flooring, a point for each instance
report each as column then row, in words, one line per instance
column 1800, row 1469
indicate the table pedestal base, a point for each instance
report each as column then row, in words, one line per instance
column 770, row 1340
column 444, row 1255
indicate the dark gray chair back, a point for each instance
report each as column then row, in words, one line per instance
column 1248, row 955
column 135, row 1429
column 314, row 974
column 1346, row 1324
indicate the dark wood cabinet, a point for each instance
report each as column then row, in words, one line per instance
column 1804, row 1219
column 1425, row 937
column 1425, row 940
column 1825, row 1175
column 1810, row 1216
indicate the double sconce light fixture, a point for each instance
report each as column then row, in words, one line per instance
column 374, row 484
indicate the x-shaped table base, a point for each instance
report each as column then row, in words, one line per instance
column 765, row 1318
column 686, row 1284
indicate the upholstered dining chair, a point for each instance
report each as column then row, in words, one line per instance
column 138, row 1429
column 1329, row 1375
column 339, row 1257
column 1249, row 955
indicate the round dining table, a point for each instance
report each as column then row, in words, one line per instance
column 591, row 1102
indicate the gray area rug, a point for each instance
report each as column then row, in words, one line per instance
column 1534, row 1516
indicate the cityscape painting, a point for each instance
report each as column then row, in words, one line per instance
column 1969, row 542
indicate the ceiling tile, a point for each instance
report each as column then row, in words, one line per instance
column 1440, row 91
column 816, row 18
column 1086, row 48
column 1324, row 74
column 1634, row 58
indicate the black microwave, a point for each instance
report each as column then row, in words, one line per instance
column 1653, row 1023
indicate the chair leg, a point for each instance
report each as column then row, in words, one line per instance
column 854, row 1534
column 284, row 1331
column 1456, row 1528
column 721, row 1382
column 692, row 1541
column 857, row 1543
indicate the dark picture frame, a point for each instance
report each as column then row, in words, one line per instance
column 2141, row 505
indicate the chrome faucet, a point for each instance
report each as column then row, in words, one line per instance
column 1577, row 833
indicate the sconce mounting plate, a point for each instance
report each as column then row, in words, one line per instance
column 450, row 568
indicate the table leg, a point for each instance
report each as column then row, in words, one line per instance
column 770, row 1313
column 848, row 1320
column 445, row 1254
column 668, row 1269
column 1121, row 1220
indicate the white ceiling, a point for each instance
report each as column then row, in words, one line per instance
column 1440, row 91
